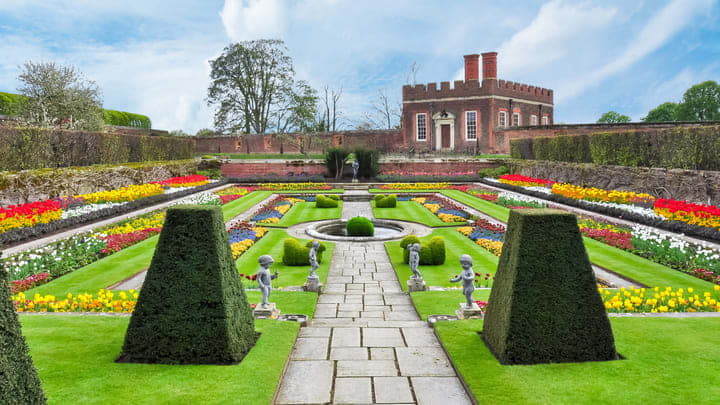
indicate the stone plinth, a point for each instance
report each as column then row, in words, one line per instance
column 313, row 284
column 469, row 313
column 416, row 284
column 270, row 312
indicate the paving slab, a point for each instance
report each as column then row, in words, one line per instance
column 382, row 337
column 353, row 390
column 382, row 353
column 439, row 391
column 310, row 349
column 420, row 337
column 295, row 388
column 314, row 332
column 349, row 353
column 393, row 390
column 345, row 337
column 423, row 361
column 366, row 368
column 402, row 316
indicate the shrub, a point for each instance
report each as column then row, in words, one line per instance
column 430, row 254
column 389, row 201
column 192, row 308
column 544, row 256
column 126, row 119
column 334, row 197
column 522, row 149
column 335, row 161
column 295, row 254
column 493, row 173
column 19, row 381
column 369, row 160
column 360, row 226
column 324, row 202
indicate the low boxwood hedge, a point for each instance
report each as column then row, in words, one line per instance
column 431, row 254
column 295, row 254
column 360, row 226
column 386, row 201
column 544, row 306
column 321, row 201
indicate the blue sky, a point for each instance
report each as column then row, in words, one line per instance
column 151, row 57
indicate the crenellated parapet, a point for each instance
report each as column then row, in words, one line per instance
column 473, row 88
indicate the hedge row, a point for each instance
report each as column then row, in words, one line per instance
column 694, row 148
column 673, row 226
column 21, row 234
column 9, row 103
column 126, row 119
column 431, row 253
column 331, row 201
column 297, row 254
column 34, row 148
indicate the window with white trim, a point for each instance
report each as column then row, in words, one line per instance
column 471, row 125
column 421, row 127
column 533, row 119
column 502, row 119
column 545, row 120
column 516, row 120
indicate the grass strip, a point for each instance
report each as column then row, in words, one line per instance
column 77, row 368
column 284, row 156
column 272, row 244
column 443, row 302
column 411, row 211
column 456, row 244
column 306, row 212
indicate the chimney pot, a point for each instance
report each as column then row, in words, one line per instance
column 472, row 67
column 489, row 65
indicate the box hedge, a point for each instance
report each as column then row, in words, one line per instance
column 544, row 306
column 431, row 254
column 386, row 201
column 325, row 202
column 297, row 254
column 19, row 382
column 360, row 226
column 192, row 308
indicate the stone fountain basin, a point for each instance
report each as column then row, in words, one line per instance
column 333, row 230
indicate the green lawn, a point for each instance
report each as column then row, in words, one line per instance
column 456, row 244
column 443, row 302
column 127, row 262
column 668, row 361
column 411, row 211
column 306, row 212
column 272, row 244
column 496, row 211
column 286, row 156
column 75, row 357
column 400, row 191
column 288, row 302
column 498, row 156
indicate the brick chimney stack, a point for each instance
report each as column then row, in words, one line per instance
column 489, row 65
column 472, row 67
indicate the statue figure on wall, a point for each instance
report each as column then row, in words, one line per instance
column 355, row 167
column 313, row 258
column 414, row 260
column 264, row 278
column 468, row 277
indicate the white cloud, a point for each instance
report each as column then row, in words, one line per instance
column 253, row 19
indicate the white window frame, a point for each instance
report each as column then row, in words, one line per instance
column 417, row 127
column 533, row 120
column 519, row 119
column 474, row 128
column 545, row 120
column 502, row 119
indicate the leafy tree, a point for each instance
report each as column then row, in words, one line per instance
column 254, row 90
column 205, row 132
column 663, row 112
column 612, row 117
column 701, row 102
column 59, row 96
column 385, row 112
column 178, row 132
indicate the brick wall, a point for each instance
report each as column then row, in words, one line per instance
column 504, row 136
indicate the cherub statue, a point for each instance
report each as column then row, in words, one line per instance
column 414, row 260
column 355, row 167
column 468, row 277
column 313, row 258
column 264, row 278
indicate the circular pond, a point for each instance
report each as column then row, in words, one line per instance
column 335, row 230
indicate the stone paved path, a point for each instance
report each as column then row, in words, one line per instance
column 366, row 343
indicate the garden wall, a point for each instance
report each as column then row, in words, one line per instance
column 383, row 140
column 35, row 185
column 34, row 148
column 691, row 185
column 315, row 167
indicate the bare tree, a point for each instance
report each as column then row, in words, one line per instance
column 331, row 99
column 385, row 111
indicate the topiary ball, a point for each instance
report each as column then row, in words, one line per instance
column 360, row 226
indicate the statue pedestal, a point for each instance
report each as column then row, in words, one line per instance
column 313, row 284
column 354, row 180
column 416, row 284
column 469, row 313
column 270, row 312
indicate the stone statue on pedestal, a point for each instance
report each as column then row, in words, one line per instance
column 313, row 258
column 468, row 277
column 355, row 167
column 264, row 278
column 415, row 260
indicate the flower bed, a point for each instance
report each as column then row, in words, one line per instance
column 105, row 301
column 272, row 211
column 487, row 235
column 294, row 186
column 193, row 180
column 415, row 186
column 707, row 216
column 660, row 300
column 600, row 195
column 243, row 236
column 445, row 209
column 520, row 180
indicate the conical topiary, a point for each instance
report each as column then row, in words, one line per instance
column 192, row 308
column 19, row 382
column 544, row 306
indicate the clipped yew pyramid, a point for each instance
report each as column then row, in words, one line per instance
column 19, row 382
column 192, row 308
column 544, row 306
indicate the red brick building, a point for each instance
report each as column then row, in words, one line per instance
column 464, row 117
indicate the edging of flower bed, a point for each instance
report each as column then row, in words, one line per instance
column 19, row 235
column 672, row 226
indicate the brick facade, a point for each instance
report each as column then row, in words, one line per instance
column 448, row 106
